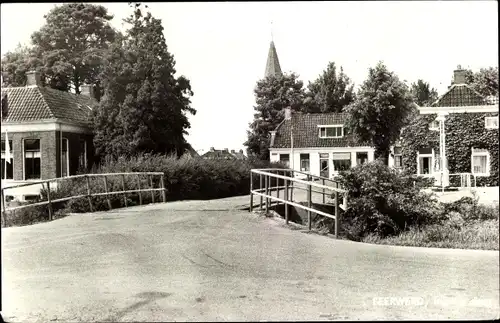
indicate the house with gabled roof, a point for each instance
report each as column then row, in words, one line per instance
column 317, row 144
column 49, row 133
column 457, row 138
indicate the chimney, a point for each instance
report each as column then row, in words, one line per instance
column 33, row 78
column 87, row 90
column 212, row 149
column 226, row 150
column 233, row 151
column 459, row 75
column 273, row 135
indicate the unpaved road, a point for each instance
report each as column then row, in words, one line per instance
column 206, row 261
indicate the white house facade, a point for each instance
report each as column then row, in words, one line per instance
column 317, row 144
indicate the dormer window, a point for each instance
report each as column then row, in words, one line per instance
column 491, row 122
column 331, row 131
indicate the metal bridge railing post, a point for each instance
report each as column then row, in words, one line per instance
column 260, row 191
column 251, row 189
column 266, row 179
column 309, row 197
column 286, row 201
column 336, row 215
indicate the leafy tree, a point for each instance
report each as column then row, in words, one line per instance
column 485, row 81
column 72, row 43
column 330, row 92
column 144, row 107
column 423, row 94
column 273, row 95
column 16, row 63
column 382, row 107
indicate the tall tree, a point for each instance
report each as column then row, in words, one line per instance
column 485, row 81
column 423, row 94
column 72, row 44
column 382, row 107
column 330, row 92
column 272, row 95
column 16, row 63
column 144, row 107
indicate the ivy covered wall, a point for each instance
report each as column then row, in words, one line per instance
column 464, row 131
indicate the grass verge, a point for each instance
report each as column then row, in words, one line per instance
column 481, row 235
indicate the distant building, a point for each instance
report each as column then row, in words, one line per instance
column 223, row 154
column 49, row 134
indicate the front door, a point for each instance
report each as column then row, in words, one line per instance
column 324, row 169
column 425, row 165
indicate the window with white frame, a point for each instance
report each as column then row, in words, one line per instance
column 491, row 122
column 65, row 158
column 304, row 162
column 434, row 125
column 398, row 157
column 341, row 161
column 285, row 159
column 9, row 173
column 82, row 157
column 334, row 131
column 32, row 159
column 425, row 161
column 480, row 162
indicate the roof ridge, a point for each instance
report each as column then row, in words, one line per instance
column 52, row 114
column 441, row 96
column 476, row 92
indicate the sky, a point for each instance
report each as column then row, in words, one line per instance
column 222, row 47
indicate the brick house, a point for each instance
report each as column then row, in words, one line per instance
column 320, row 145
column 49, row 134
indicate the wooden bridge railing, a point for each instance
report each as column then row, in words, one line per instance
column 89, row 194
column 266, row 189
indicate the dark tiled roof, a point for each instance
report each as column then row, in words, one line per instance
column 306, row 132
column 239, row 155
column 273, row 67
column 41, row 103
column 218, row 154
column 223, row 154
column 460, row 95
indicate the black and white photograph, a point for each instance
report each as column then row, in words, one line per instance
column 249, row 161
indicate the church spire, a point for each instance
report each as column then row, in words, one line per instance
column 273, row 64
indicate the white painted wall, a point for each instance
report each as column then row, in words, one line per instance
column 314, row 156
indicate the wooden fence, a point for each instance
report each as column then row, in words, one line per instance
column 89, row 194
column 288, row 178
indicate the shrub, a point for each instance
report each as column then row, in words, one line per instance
column 383, row 201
